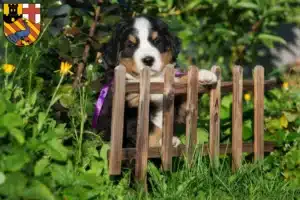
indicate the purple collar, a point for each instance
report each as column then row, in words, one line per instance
column 103, row 94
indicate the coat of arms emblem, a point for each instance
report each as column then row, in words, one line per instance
column 22, row 23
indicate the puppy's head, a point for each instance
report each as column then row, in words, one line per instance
column 140, row 42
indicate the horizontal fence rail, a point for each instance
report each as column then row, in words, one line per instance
column 169, row 88
column 181, row 88
column 155, row 152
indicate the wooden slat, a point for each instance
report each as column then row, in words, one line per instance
column 117, row 122
column 237, row 117
column 143, row 127
column 181, row 88
column 168, row 119
column 258, row 112
column 129, row 153
column 214, row 127
column 192, row 113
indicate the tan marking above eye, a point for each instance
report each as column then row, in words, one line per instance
column 154, row 35
column 132, row 38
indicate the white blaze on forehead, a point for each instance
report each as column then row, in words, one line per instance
column 143, row 27
column 145, row 48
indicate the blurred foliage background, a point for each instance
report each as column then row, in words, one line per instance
column 212, row 32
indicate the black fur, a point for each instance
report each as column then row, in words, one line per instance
column 112, row 51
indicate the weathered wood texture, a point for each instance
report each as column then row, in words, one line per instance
column 237, row 117
column 117, row 122
column 192, row 113
column 258, row 112
column 214, row 124
column 129, row 153
column 181, row 88
column 168, row 119
column 143, row 127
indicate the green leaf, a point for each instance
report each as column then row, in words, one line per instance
column 170, row 4
column 77, row 50
column 11, row 120
column 269, row 39
column 2, row 106
column 39, row 83
column 56, row 98
column 246, row 5
column 96, row 167
column 62, row 175
column 60, row 130
column 111, row 19
column 226, row 101
column 18, row 135
column 273, row 11
column 67, row 100
column 64, row 45
column 40, row 166
column 161, row 3
column 224, row 113
column 41, row 119
column 225, row 32
column 3, row 132
column 56, row 150
column 291, row 117
column 273, row 125
column 103, row 154
column 202, row 135
column 16, row 161
column 20, row 104
column 103, row 151
column 2, row 178
column 38, row 191
column 66, row 88
column 192, row 5
column 247, row 130
column 33, row 98
column 14, row 185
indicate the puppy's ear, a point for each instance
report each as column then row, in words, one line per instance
column 173, row 41
column 175, row 45
column 111, row 49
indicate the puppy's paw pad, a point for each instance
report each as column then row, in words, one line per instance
column 207, row 77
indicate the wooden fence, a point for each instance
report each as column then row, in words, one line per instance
column 169, row 88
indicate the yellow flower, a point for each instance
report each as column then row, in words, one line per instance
column 8, row 68
column 285, row 85
column 65, row 68
column 247, row 97
column 283, row 121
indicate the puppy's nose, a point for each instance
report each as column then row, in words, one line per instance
column 148, row 61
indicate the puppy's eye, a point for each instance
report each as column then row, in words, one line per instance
column 130, row 44
column 156, row 41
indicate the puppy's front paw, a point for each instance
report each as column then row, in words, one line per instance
column 175, row 142
column 133, row 99
column 207, row 77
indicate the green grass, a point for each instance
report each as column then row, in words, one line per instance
column 203, row 182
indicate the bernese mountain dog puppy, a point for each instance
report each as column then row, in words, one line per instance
column 144, row 41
